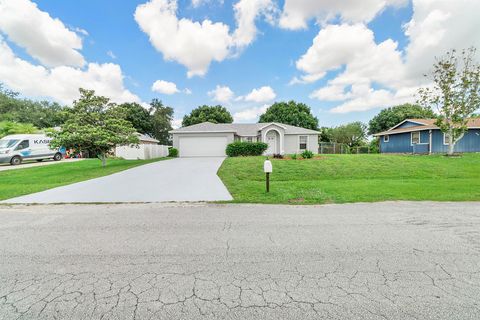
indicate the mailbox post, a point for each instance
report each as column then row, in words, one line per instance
column 267, row 168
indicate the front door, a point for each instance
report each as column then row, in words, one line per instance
column 272, row 143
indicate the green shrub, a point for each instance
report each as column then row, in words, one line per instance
column 173, row 152
column 294, row 156
column 307, row 154
column 242, row 148
column 374, row 146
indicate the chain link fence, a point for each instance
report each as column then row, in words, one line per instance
column 341, row 148
column 332, row 148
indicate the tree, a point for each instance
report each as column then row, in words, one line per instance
column 214, row 114
column 353, row 134
column 162, row 117
column 139, row 117
column 41, row 114
column 292, row 113
column 455, row 93
column 325, row 134
column 94, row 124
column 389, row 117
column 9, row 127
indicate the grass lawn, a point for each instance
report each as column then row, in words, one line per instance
column 354, row 178
column 14, row 183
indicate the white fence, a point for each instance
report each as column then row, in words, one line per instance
column 142, row 151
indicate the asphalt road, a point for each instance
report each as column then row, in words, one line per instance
column 157, row 261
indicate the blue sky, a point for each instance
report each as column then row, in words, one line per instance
column 348, row 61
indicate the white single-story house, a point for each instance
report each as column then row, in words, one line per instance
column 211, row 139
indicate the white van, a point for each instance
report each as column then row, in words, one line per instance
column 19, row 147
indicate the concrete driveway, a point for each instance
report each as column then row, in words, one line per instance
column 180, row 179
column 375, row 261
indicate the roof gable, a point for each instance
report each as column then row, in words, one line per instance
column 413, row 123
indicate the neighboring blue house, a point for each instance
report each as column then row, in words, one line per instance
column 423, row 136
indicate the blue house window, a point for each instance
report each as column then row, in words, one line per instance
column 415, row 138
column 386, row 138
column 446, row 139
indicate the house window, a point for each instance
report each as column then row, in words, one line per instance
column 303, row 142
column 415, row 139
column 446, row 138
column 386, row 138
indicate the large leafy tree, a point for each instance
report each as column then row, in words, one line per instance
column 353, row 134
column 326, row 134
column 292, row 113
column 214, row 114
column 41, row 114
column 389, row 117
column 9, row 127
column 455, row 93
column 139, row 117
column 96, row 125
column 161, row 117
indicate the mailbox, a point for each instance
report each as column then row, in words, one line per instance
column 267, row 166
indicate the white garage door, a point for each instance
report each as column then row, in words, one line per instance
column 202, row 146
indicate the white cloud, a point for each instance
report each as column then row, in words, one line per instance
column 111, row 54
column 246, row 11
column 63, row 68
column 81, row 31
column 363, row 97
column 222, row 94
column 187, row 91
column 61, row 83
column 351, row 50
column 44, row 38
column 362, row 64
column 438, row 26
column 192, row 44
column 198, row 3
column 250, row 114
column 297, row 13
column 165, row 87
column 262, row 94
column 354, row 47
column 331, row 93
column 197, row 44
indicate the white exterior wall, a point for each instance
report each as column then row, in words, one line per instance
column 292, row 143
column 142, row 151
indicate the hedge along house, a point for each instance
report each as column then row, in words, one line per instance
column 424, row 137
column 210, row 139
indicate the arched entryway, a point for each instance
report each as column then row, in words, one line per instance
column 272, row 139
